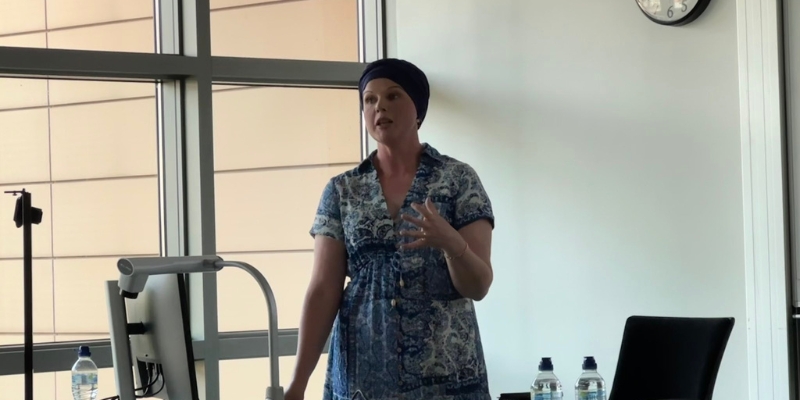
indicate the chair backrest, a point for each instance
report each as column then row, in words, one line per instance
column 670, row 358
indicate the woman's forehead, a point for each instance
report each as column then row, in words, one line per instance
column 379, row 84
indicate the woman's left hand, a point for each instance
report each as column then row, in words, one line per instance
column 434, row 231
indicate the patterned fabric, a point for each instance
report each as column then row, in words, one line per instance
column 403, row 331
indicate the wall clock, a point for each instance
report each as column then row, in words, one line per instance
column 672, row 12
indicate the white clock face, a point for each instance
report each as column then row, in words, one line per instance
column 668, row 11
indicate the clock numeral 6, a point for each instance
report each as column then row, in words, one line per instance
column 671, row 13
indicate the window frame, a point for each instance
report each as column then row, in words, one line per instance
column 184, row 71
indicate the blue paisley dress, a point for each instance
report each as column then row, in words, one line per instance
column 402, row 330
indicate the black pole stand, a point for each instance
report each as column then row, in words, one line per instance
column 25, row 216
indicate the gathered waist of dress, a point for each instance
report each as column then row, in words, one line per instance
column 359, row 262
column 370, row 250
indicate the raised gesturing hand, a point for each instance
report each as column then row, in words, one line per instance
column 433, row 230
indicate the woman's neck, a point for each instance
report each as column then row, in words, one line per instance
column 398, row 160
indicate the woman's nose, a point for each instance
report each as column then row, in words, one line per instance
column 380, row 105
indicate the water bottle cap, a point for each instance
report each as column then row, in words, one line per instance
column 589, row 363
column 83, row 351
column 546, row 364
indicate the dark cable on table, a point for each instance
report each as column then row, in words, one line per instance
column 150, row 384
column 163, row 382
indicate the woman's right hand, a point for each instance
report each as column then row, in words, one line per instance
column 293, row 393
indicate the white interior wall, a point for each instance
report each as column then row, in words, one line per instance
column 611, row 149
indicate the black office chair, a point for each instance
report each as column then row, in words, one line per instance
column 670, row 358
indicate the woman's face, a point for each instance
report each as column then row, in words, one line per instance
column 389, row 113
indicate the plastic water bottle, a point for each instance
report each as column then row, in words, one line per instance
column 546, row 386
column 590, row 385
column 84, row 376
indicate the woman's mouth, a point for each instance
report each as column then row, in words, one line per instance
column 383, row 122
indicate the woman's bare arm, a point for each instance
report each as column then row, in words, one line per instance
column 470, row 264
column 320, row 306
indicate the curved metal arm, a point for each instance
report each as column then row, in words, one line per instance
column 274, row 391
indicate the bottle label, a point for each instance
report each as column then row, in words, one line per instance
column 84, row 379
column 548, row 396
column 598, row 394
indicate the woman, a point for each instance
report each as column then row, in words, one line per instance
column 412, row 230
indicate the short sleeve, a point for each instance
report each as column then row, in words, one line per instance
column 328, row 220
column 472, row 202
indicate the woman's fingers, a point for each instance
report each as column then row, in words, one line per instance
column 415, row 244
column 431, row 206
column 428, row 223
column 414, row 234
column 414, row 220
column 422, row 210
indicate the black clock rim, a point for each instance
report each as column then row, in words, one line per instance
column 690, row 17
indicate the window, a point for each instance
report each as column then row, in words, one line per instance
column 110, row 118
column 307, row 29
column 97, row 186
column 275, row 149
column 245, row 378
column 44, row 385
column 110, row 25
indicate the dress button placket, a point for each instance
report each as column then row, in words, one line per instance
column 401, row 284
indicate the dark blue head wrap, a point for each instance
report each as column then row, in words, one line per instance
column 405, row 74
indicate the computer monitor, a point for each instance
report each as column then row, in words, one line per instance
column 151, row 334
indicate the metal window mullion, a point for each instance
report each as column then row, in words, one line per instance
column 200, row 222
column 170, row 117
column 171, row 186
column 200, row 225
column 372, row 33
column 43, row 63
column 253, row 344
column 239, row 70
column 389, row 29
column 371, row 28
column 198, row 146
column 55, row 357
